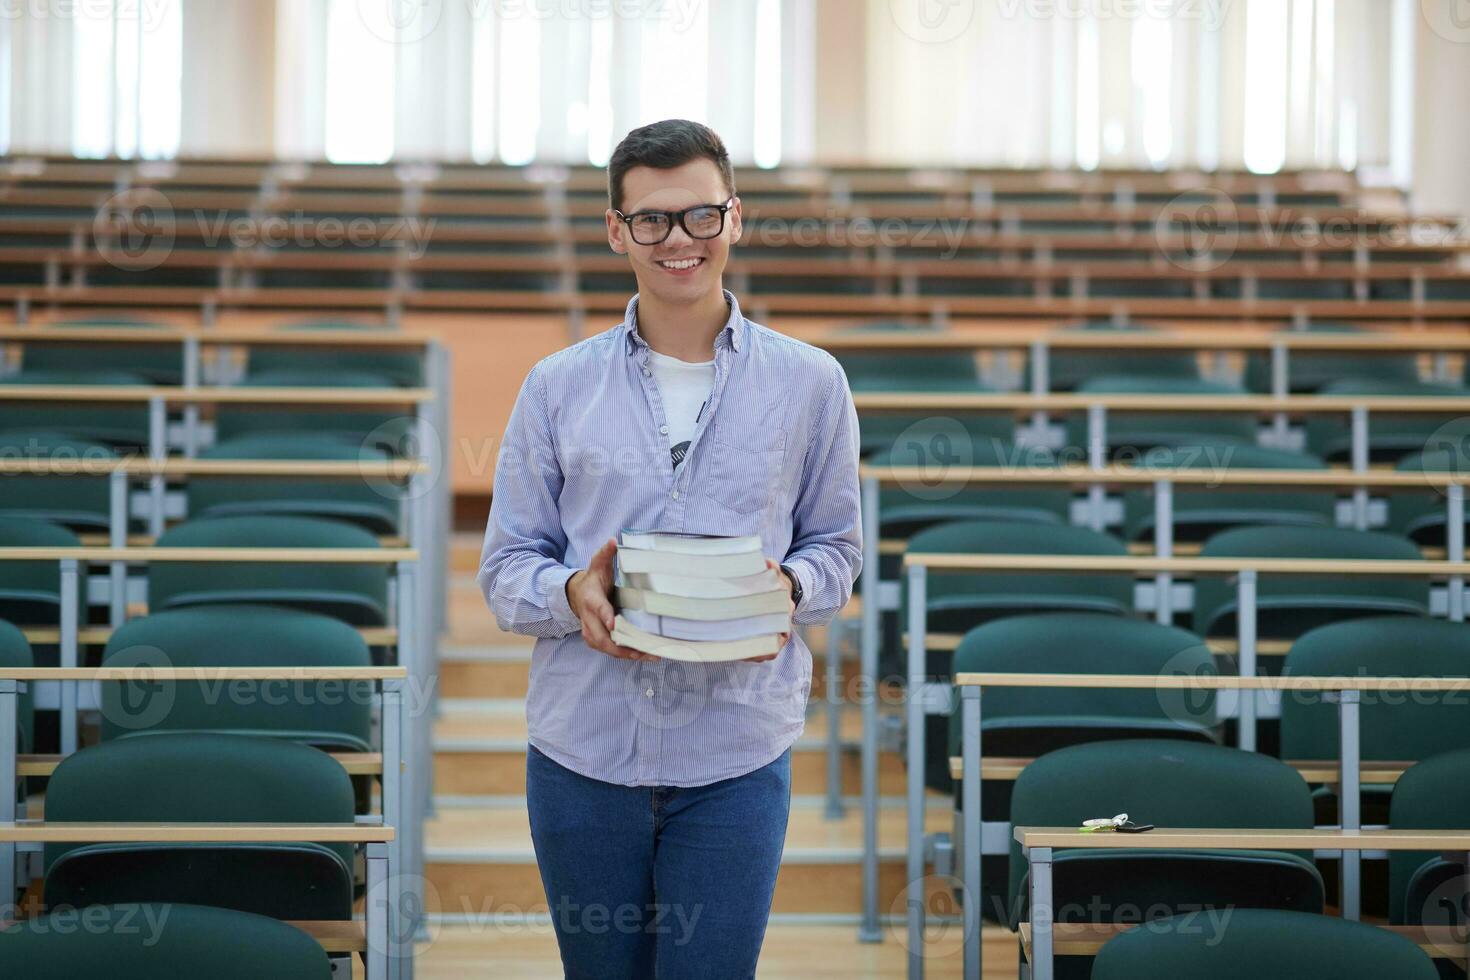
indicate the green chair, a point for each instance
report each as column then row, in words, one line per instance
column 1138, row 432
column 1391, row 436
column 371, row 504
column 354, row 593
column 1421, row 517
column 123, row 425
column 1308, row 371
column 396, row 365
column 1289, row 605
column 1170, row 783
column 82, row 503
column 203, row 778
column 325, row 714
column 30, row 591
column 1424, row 888
column 1200, row 512
column 158, row 364
column 1261, row 943
column 1069, row 368
column 15, row 651
column 388, row 429
column 157, row 942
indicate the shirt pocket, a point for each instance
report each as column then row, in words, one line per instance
column 746, row 468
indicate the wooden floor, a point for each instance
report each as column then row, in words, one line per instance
column 480, row 858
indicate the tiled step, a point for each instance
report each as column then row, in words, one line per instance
column 480, row 861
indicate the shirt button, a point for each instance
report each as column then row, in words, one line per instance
column 646, row 371
column 675, row 495
column 648, row 693
column 663, row 430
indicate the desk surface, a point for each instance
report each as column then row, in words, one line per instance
column 26, row 831
column 1206, row 838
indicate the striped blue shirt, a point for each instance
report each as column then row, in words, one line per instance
column 586, row 455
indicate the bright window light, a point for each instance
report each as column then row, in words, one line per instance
column 1152, row 58
column 484, row 91
column 160, row 83
column 1089, row 128
column 766, row 147
column 1266, row 23
column 361, row 70
column 599, row 92
column 92, row 89
column 520, row 83
column 675, row 65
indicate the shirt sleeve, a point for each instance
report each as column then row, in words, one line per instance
column 522, row 574
column 826, row 544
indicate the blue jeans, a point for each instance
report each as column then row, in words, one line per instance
column 658, row 881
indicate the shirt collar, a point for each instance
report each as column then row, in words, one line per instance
column 732, row 333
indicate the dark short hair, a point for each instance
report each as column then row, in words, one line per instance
column 664, row 145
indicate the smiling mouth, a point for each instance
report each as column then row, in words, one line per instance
column 681, row 265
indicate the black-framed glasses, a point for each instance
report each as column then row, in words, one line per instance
column 700, row 221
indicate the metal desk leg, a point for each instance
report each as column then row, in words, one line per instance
column 970, row 792
column 9, row 746
column 1245, row 619
column 914, row 710
column 1042, row 948
column 869, row 692
column 835, row 809
column 1349, row 800
column 392, row 711
column 70, row 618
column 377, row 912
column 1164, row 548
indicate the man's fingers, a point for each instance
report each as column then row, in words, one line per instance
column 597, row 606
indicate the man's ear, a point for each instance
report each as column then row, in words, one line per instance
column 737, row 223
column 615, row 230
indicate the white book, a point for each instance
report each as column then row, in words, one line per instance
column 677, row 628
column 696, row 566
column 701, row 588
column 690, row 544
column 775, row 600
column 693, row 651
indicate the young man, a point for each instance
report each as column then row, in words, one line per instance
column 658, row 790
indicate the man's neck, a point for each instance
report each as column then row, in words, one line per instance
column 685, row 331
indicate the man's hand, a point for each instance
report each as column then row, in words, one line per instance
column 782, row 639
column 588, row 593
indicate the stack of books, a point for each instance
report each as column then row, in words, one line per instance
column 700, row 598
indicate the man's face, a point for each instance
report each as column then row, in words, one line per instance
column 680, row 269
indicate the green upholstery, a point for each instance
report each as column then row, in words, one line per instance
column 1199, row 512
column 30, row 591
column 1169, row 783
column 159, row 364
column 385, row 428
column 1390, row 436
column 1433, row 795
column 1141, row 431
column 118, row 424
column 79, row 502
column 397, row 365
column 1261, row 943
column 203, row 778
column 1393, row 727
column 327, row 714
column 16, row 652
column 1421, row 517
column 357, row 594
column 1308, row 371
column 1068, row 369
column 159, row 942
column 1290, row 605
column 372, row 504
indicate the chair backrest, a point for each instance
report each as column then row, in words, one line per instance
column 1260, row 943
column 1432, row 795
column 1086, row 643
column 388, row 429
column 30, row 591
column 1290, row 605
column 1422, row 516
column 159, row 364
column 907, row 370
column 16, row 652
column 1391, row 435
column 203, row 778
column 959, row 600
column 371, row 503
column 327, row 714
column 1141, row 431
column 73, row 500
column 395, row 365
column 124, row 425
column 1068, row 368
column 1308, row 371
column 355, row 593
column 153, row 941
column 1200, row 512
column 1163, row 782
column 1394, row 726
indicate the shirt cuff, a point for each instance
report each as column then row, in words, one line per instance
column 803, row 575
column 556, row 597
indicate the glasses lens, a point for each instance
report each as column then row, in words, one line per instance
column 704, row 222
column 649, row 228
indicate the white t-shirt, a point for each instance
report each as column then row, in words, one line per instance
column 684, row 386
